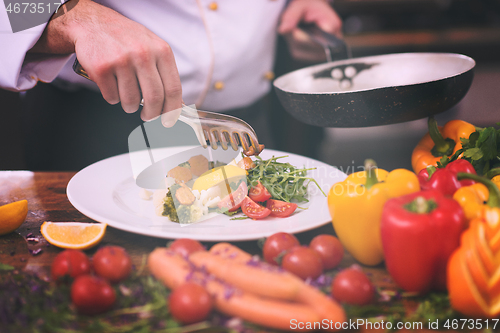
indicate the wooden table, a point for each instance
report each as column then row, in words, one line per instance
column 47, row 201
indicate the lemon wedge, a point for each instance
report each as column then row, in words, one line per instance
column 12, row 215
column 216, row 176
column 73, row 235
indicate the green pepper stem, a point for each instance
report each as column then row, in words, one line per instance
column 494, row 192
column 493, row 172
column 371, row 175
column 430, row 170
column 421, row 206
column 442, row 146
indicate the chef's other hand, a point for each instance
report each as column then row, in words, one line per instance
column 318, row 12
column 310, row 11
column 125, row 59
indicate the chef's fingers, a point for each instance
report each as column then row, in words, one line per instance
column 128, row 88
column 171, row 81
column 152, row 92
column 326, row 19
column 106, row 81
column 290, row 18
column 168, row 119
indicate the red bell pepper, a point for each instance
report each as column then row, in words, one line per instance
column 445, row 179
column 419, row 233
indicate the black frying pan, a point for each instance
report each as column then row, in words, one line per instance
column 376, row 90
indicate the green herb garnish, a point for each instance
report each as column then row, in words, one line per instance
column 5, row 267
column 481, row 149
column 169, row 207
column 31, row 304
column 240, row 218
column 282, row 180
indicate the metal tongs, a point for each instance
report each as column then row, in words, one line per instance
column 210, row 127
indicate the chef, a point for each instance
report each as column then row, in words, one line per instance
column 217, row 55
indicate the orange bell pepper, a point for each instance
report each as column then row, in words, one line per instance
column 439, row 142
column 473, row 271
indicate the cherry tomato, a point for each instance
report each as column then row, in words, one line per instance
column 329, row 249
column 281, row 208
column 112, row 263
column 233, row 200
column 253, row 210
column 352, row 286
column 190, row 303
column 69, row 263
column 259, row 193
column 186, row 246
column 277, row 244
column 303, row 262
column 92, row 295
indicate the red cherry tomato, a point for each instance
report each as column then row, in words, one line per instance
column 329, row 249
column 259, row 193
column 190, row 303
column 186, row 246
column 253, row 210
column 281, row 208
column 352, row 286
column 233, row 200
column 112, row 263
column 277, row 244
column 303, row 262
column 69, row 263
column 92, row 295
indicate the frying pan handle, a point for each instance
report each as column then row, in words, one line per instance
column 331, row 43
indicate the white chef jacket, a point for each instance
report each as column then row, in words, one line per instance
column 224, row 49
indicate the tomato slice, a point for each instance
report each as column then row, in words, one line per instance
column 234, row 199
column 259, row 193
column 253, row 210
column 280, row 208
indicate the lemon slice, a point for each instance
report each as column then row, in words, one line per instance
column 73, row 235
column 12, row 215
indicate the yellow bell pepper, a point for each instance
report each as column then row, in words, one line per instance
column 356, row 208
column 439, row 142
column 496, row 180
column 472, row 199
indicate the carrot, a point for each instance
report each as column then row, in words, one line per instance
column 269, row 281
column 228, row 251
column 173, row 270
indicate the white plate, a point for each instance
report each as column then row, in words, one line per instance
column 106, row 192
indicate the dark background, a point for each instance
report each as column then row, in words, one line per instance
column 470, row 27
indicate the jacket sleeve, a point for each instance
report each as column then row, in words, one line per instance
column 21, row 71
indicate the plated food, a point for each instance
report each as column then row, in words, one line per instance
column 198, row 189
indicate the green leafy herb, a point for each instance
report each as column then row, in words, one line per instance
column 185, row 165
column 30, row 304
column 169, row 207
column 282, row 180
column 480, row 149
column 240, row 218
column 226, row 211
column 430, row 308
column 5, row 267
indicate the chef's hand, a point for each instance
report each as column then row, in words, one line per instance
column 318, row 12
column 126, row 60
